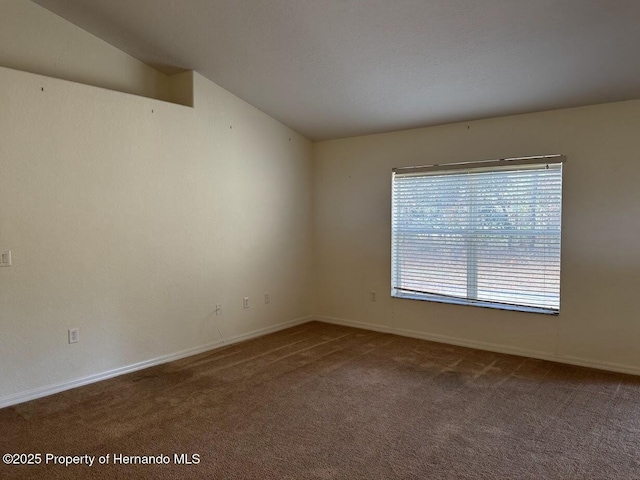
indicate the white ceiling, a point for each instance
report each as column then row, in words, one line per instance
column 338, row 68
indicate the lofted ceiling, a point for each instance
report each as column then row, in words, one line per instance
column 339, row 68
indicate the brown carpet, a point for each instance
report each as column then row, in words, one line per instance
column 321, row 402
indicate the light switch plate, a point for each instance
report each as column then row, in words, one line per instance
column 5, row 259
column 73, row 335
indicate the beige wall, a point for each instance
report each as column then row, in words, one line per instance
column 131, row 218
column 599, row 323
column 35, row 40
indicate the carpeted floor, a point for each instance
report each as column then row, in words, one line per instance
column 320, row 401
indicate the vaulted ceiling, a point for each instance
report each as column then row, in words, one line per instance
column 338, row 68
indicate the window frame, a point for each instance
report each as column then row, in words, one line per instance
column 479, row 166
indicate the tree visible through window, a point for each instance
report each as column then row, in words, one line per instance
column 486, row 233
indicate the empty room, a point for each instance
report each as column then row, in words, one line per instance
column 328, row 239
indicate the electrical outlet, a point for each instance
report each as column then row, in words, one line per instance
column 218, row 309
column 245, row 302
column 5, row 259
column 267, row 298
column 73, row 335
column 373, row 296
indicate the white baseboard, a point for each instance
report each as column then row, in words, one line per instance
column 492, row 347
column 21, row 397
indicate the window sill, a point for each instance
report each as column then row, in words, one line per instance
column 472, row 303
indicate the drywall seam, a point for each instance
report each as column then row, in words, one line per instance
column 21, row 397
column 491, row 347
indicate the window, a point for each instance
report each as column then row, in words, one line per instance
column 481, row 233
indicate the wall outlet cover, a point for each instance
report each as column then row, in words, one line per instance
column 5, row 259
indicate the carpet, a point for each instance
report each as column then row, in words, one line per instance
column 321, row 401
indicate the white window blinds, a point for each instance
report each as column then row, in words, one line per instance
column 485, row 234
